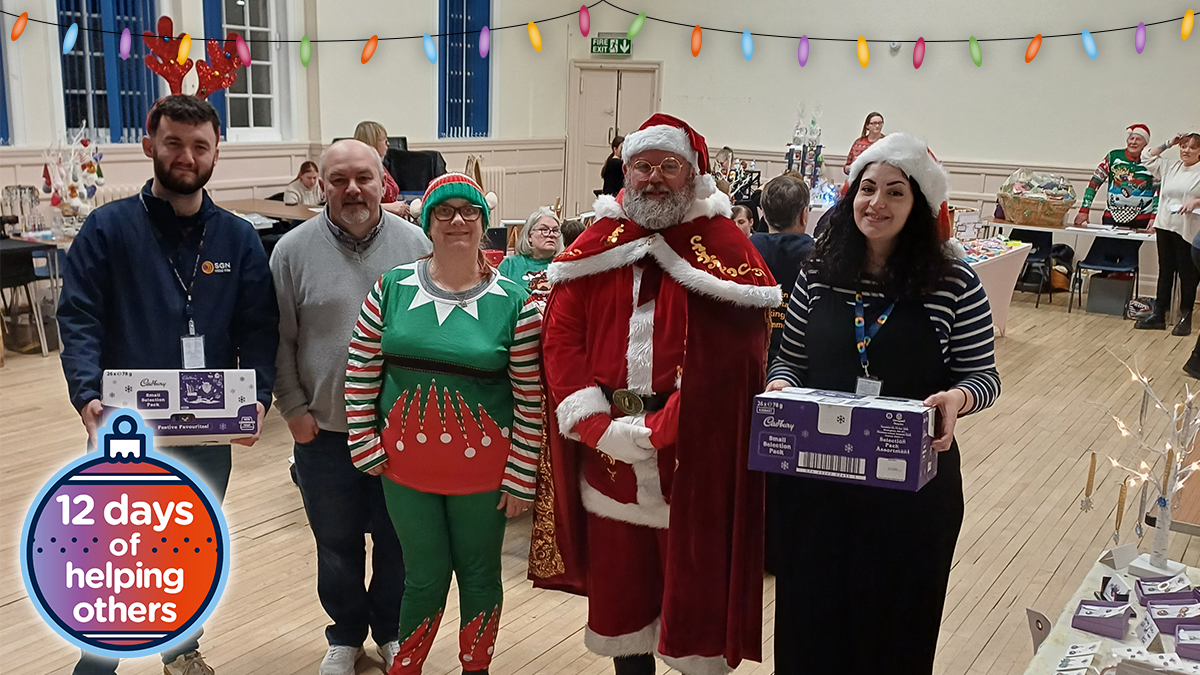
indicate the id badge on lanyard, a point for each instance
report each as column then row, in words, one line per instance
column 192, row 344
column 867, row 385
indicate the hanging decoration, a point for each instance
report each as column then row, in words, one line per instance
column 976, row 52
column 485, row 42
column 369, row 49
column 1034, row 45
column 1189, row 19
column 919, row 53
column 243, row 50
column 585, row 20
column 697, row 40
column 430, row 47
column 71, row 173
column 747, row 45
column 185, row 48
column 126, row 44
column 864, row 52
column 1139, row 38
column 636, row 26
column 1089, row 45
column 69, row 39
column 535, row 37
column 23, row 20
column 802, row 51
column 305, row 51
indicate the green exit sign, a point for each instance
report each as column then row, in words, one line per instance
column 615, row 46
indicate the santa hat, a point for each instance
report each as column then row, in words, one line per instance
column 451, row 186
column 912, row 156
column 1141, row 130
column 663, row 132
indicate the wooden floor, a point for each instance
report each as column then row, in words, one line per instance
column 1024, row 542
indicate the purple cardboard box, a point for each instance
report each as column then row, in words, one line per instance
column 1187, row 641
column 187, row 407
column 1154, row 589
column 1169, row 615
column 884, row 442
column 1110, row 619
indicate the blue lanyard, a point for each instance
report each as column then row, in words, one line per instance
column 862, row 334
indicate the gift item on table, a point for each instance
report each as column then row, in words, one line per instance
column 1036, row 198
column 872, row 440
column 1085, row 649
column 187, row 407
column 1187, row 641
column 1114, row 589
column 1163, row 589
column 1110, row 619
column 1169, row 615
column 986, row 249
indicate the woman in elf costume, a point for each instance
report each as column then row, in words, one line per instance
column 444, row 398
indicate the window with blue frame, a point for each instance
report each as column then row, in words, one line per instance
column 5, row 137
column 109, row 95
column 463, row 75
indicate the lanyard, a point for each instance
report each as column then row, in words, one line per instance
column 186, row 288
column 864, row 335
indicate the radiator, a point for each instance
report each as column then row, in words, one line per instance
column 493, row 181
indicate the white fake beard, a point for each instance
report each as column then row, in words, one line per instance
column 658, row 214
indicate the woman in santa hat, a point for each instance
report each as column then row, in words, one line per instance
column 882, row 308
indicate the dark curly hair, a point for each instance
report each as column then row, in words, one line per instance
column 915, row 267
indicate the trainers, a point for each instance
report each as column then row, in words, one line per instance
column 340, row 660
column 188, row 664
column 388, row 652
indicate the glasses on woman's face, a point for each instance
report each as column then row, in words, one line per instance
column 548, row 232
column 669, row 167
column 445, row 212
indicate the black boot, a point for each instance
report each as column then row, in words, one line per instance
column 1192, row 367
column 1156, row 321
column 1184, row 327
column 642, row 664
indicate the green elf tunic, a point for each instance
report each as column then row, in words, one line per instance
column 446, row 389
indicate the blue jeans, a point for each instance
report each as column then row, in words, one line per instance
column 212, row 463
column 344, row 504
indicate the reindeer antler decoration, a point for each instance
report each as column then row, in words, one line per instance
column 219, row 72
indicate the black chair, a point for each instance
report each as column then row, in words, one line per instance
column 1038, row 261
column 1106, row 255
column 277, row 197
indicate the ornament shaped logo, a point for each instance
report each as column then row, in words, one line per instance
column 125, row 552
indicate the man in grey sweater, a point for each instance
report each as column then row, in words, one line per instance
column 323, row 271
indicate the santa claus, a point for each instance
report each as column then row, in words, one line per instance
column 655, row 342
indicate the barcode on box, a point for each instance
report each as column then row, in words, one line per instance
column 832, row 465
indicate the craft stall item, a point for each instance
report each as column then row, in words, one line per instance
column 1036, row 198
column 872, row 440
column 1160, row 484
column 804, row 152
column 1085, row 504
column 1187, row 641
column 1169, row 615
column 71, row 173
column 187, row 407
column 1110, row 619
column 1163, row 589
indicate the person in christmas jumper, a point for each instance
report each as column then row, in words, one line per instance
column 655, row 344
column 1132, row 188
column 444, row 399
column 882, row 307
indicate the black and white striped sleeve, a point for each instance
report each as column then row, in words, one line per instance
column 791, row 365
column 972, row 353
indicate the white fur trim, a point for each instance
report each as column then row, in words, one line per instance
column 694, row 280
column 606, row 206
column 704, row 186
column 625, row 254
column 639, row 354
column 580, row 406
column 698, row 665
column 660, row 137
column 911, row 155
column 715, row 204
column 644, row 641
column 650, row 510
column 1140, row 132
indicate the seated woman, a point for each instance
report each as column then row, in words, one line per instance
column 305, row 190
column 539, row 240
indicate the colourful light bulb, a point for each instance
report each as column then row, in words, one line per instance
column 976, row 52
column 369, row 49
column 1189, row 20
column 697, row 40
column 1089, row 45
column 185, row 48
column 864, row 52
column 802, row 51
column 919, row 53
column 126, row 44
column 747, row 45
column 636, row 26
column 430, row 47
column 485, row 42
column 305, row 51
column 1139, row 38
column 585, row 20
column 535, row 37
column 19, row 26
column 69, row 39
column 1034, row 45
column 243, row 51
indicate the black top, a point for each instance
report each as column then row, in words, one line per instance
column 784, row 253
column 614, row 176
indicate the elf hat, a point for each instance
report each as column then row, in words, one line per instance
column 1141, row 130
column 663, row 132
column 452, row 186
column 912, row 156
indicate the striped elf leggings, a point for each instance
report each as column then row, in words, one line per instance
column 442, row 535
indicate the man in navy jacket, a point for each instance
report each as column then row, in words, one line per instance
column 145, row 272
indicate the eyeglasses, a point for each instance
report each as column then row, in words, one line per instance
column 548, row 233
column 669, row 167
column 446, row 212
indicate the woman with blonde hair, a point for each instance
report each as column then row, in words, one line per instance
column 374, row 135
column 539, row 240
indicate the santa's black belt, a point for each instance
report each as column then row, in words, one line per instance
column 632, row 403
column 443, row 368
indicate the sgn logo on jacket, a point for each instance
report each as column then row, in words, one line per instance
column 209, row 267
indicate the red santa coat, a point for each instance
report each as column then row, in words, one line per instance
column 703, row 340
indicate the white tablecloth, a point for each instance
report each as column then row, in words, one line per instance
column 999, row 278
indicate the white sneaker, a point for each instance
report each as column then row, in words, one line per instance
column 340, row 660
column 388, row 653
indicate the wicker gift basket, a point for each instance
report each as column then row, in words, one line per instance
column 1035, row 198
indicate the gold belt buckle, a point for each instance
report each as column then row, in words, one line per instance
column 628, row 402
